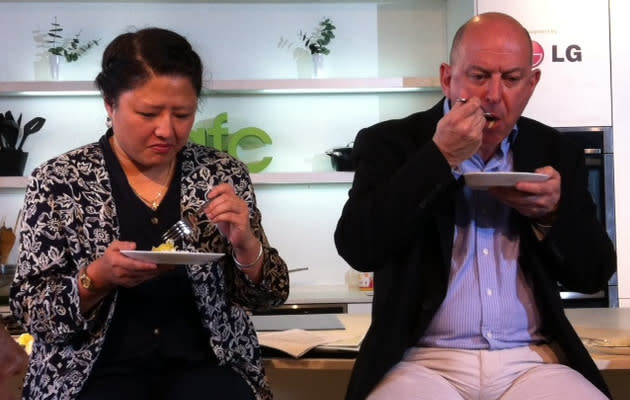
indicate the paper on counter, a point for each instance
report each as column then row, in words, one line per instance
column 295, row 342
column 605, row 340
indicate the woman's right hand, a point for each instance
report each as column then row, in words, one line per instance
column 116, row 269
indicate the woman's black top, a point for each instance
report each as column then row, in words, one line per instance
column 158, row 318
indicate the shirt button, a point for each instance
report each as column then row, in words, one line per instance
column 156, row 331
column 489, row 291
column 485, row 252
column 489, row 335
column 154, row 220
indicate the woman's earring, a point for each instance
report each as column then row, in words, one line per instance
column 108, row 122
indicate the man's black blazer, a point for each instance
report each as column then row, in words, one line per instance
column 399, row 223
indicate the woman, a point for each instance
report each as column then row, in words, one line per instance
column 105, row 324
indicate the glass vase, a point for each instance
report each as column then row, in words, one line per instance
column 54, row 61
column 318, row 65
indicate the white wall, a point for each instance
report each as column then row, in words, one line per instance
column 585, row 93
column 571, row 92
column 243, row 41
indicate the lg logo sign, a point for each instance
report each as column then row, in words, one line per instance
column 538, row 54
column 572, row 53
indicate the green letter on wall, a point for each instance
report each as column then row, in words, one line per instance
column 218, row 137
column 251, row 132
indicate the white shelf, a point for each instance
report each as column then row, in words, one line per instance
column 205, row 1
column 13, row 182
column 48, row 88
column 270, row 178
column 297, row 178
column 314, row 86
column 235, row 87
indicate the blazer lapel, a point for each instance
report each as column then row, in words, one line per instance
column 528, row 148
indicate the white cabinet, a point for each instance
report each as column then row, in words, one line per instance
column 573, row 46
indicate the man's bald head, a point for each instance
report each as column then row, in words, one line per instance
column 491, row 21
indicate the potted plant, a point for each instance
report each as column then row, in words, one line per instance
column 70, row 49
column 317, row 43
column 12, row 158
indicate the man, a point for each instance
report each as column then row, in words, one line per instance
column 466, row 304
column 13, row 361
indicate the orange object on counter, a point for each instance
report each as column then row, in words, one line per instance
column 366, row 281
column 7, row 239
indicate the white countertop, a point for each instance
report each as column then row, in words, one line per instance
column 588, row 322
column 611, row 325
column 605, row 318
column 326, row 294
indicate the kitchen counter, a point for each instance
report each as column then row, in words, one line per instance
column 320, row 377
column 600, row 323
column 608, row 327
column 319, row 294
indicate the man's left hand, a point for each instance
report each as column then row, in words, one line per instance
column 536, row 200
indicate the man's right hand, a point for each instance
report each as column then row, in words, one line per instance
column 459, row 133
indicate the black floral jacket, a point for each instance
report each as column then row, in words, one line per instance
column 70, row 219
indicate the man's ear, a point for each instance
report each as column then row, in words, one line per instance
column 534, row 77
column 445, row 78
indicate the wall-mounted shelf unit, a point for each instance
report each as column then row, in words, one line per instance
column 242, row 87
column 13, row 182
column 296, row 178
column 268, row 178
column 326, row 86
column 206, row 1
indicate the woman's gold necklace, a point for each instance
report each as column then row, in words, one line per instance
column 155, row 203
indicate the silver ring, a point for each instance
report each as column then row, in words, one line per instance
column 462, row 100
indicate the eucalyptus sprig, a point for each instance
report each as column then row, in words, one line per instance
column 318, row 41
column 70, row 49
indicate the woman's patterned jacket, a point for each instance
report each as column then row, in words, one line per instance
column 70, row 219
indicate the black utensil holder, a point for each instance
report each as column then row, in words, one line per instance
column 12, row 162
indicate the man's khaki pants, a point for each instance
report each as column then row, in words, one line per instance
column 522, row 373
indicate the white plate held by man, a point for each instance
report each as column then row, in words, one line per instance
column 485, row 180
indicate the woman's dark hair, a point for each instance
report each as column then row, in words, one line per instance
column 131, row 59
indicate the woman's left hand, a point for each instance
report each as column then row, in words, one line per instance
column 231, row 215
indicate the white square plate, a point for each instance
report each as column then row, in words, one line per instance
column 172, row 257
column 485, row 180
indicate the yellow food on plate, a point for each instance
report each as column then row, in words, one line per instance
column 169, row 245
column 26, row 340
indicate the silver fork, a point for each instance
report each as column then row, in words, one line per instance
column 184, row 227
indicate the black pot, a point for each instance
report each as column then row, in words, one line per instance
column 12, row 162
column 341, row 158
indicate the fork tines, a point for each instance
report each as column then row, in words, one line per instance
column 178, row 230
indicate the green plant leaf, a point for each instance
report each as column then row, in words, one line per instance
column 316, row 42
